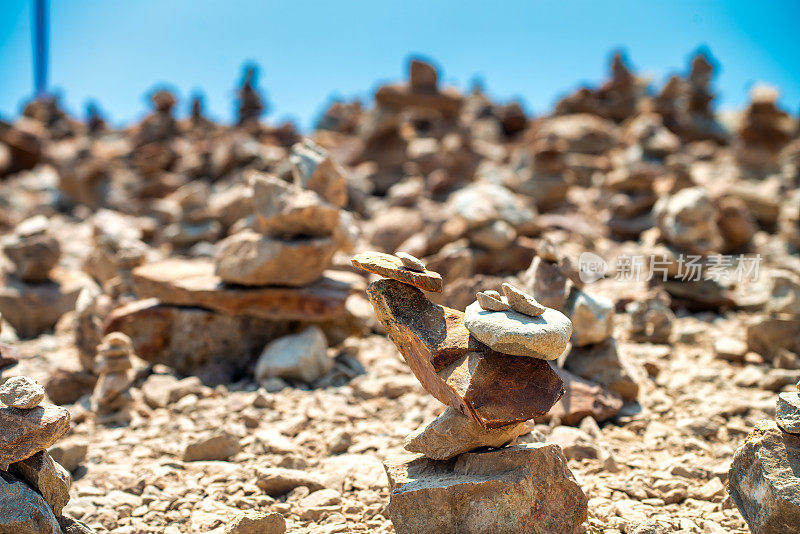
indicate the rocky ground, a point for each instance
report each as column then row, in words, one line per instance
column 221, row 418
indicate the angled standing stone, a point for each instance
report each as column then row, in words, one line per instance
column 392, row 267
column 48, row 477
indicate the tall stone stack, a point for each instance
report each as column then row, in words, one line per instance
column 763, row 479
column 764, row 131
column 489, row 367
column 34, row 295
column 111, row 399
column 34, row 488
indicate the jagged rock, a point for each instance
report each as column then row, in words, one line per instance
column 494, row 389
column 392, row 267
column 316, row 170
column 608, row 367
column 23, row 511
column 522, row 302
column 510, row 332
column 410, row 262
column 524, row 488
column 787, row 413
column 70, row 525
column 283, row 209
column 21, row 392
column 784, row 293
column 492, row 301
column 193, row 283
column 584, row 398
column 452, row 433
column 46, row 476
column 300, row 356
column 256, row 523
column 23, row 433
column 251, row 259
column 592, row 318
column 651, row 317
column 763, row 480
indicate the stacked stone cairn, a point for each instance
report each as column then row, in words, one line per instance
column 489, row 366
column 111, row 399
column 763, row 480
column 34, row 488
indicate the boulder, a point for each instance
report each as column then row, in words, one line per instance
column 46, row 476
column 494, row 389
column 687, row 220
column 452, row 433
column 251, row 259
column 763, row 480
column 276, row 481
column 524, row 488
column 300, row 357
column 193, row 283
column 23, row 433
column 23, row 511
column 510, row 332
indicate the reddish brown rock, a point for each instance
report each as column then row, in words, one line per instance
column 193, row 283
column 494, row 389
column 584, row 398
column 392, row 267
column 23, row 433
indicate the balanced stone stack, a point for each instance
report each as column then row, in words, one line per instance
column 34, row 488
column 111, row 400
column 265, row 278
column 763, row 480
column 34, row 295
column 489, row 367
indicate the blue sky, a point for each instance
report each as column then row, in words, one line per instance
column 114, row 51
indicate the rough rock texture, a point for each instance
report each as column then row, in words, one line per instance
column 21, row 392
column 510, row 332
column 787, row 412
column 524, row 488
column 494, row 389
column 392, row 267
column 282, row 209
column 70, row 525
column 251, row 259
column 23, row 433
column 592, row 318
column 522, row 302
column 609, row 367
column 256, row 523
column 300, row 357
column 584, row 398
column 48, row 477
column 193, row 283
column 452, row 433
column 23, row 511
column 763, row 480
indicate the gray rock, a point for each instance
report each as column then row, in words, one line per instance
column 282, row 209
column 23, row 511
column 511, row 332
column 592, row 318
column 21, row 392
column 787, row 413
column 452, row 433
column 300, row 356
column 524, row 488
column 763, row 480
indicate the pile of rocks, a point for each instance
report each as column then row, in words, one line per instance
column 763, row 479
column 489, row 366
column 111, row 400
column 34, row 488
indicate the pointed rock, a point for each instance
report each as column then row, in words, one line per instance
column 392, row 267
column 491, row 301
column 522, row 302
column 23, row 433
column 494, row 389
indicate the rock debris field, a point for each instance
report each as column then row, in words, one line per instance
column 433, row 313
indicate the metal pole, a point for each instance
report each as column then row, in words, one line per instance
column 40, row 47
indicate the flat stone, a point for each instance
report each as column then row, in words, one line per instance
column 492, row 388
column 283, row 209
column 392, row 267
column 488, row 301
column 23, row 433
column 510, row 332
column 522, row 302
column 252, row 259
column 524, row 488
column 300, row 357
column 193, row 283
column 21, row 392
column 787, row 413
column 252, row 522
column 48, row 477
column 763, row 479
column 452, row 434
column 23, row 511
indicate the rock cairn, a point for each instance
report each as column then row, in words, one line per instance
column 111, row 399
column 34, row 488
column 489, row 367
column 763, row 480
